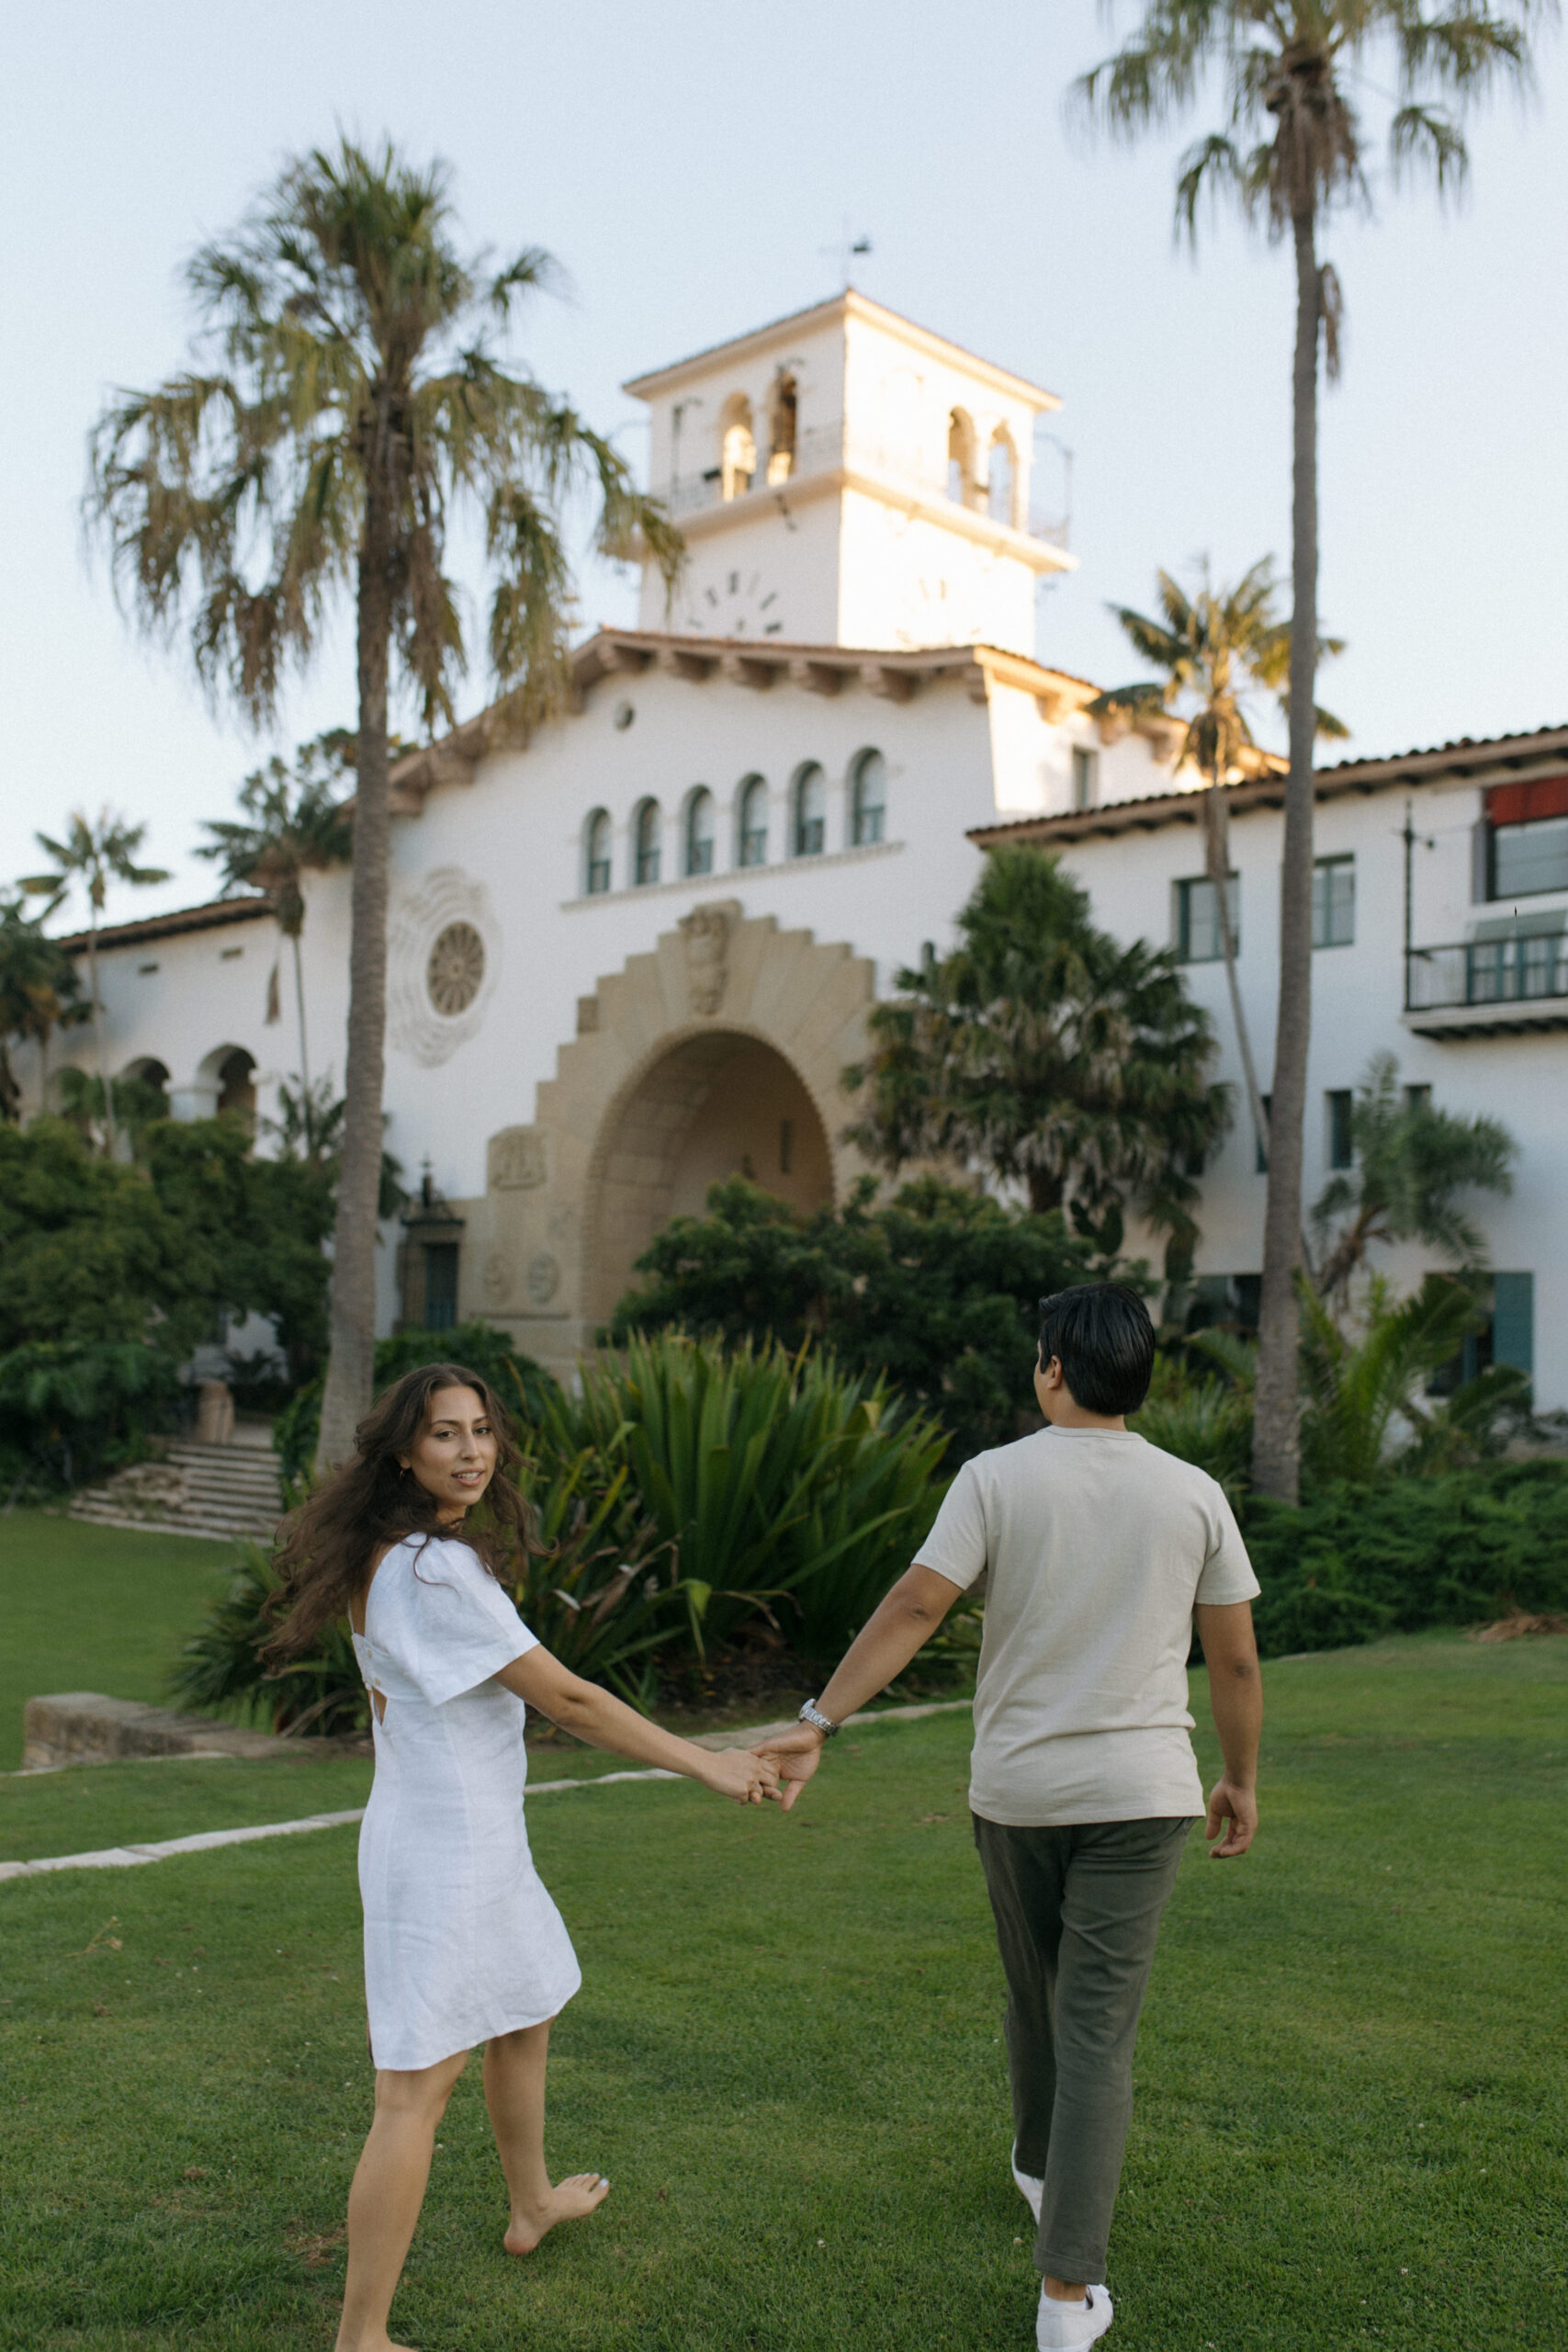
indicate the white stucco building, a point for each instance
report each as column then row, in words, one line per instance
column 636, row 952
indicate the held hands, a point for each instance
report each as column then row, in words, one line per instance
column 736, row 1773
column 793, row 1757
column 1238, row 1807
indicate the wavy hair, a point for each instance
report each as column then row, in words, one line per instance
column 325, row 1549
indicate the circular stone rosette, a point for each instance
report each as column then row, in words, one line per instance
column 443, row 961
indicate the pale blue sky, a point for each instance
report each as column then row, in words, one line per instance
column 688, row 164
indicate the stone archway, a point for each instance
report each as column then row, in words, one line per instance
column 720, row 1103
column 721, row 1049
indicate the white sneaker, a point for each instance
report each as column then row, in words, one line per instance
column 1029, row 2188
column 1068, row 2327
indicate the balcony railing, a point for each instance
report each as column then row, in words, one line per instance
column 823, row 448
column 1522, row 972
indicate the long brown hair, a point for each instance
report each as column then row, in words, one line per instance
column 326, row 1547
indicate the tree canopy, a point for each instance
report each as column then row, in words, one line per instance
column 1411, row 1163
column 1041, row 1050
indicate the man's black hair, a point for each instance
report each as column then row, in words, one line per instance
column 1101, row 1334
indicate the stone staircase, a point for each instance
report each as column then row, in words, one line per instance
column 211, row 1490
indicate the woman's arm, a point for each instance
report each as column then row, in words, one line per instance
column 604, row 1720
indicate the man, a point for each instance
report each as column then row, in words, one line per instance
column 1098, row 1552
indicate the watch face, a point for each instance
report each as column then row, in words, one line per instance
column 734, row 603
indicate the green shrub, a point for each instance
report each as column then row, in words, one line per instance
column 934, row 1291
column 518, row 1379
column 784, row 1485
column 219, row 1669
column 1357, row 1560
column 71, row 1410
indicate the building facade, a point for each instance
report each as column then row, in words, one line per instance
column 637, row 952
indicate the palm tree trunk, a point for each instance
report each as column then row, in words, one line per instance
column 1276, row 1440
column 351, row 1363
column 98, row 1029
column 299, row 1003
column 1219, row 868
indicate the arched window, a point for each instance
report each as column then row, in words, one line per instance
column 868, row 799
column 237, row 1084
column 960, row 458
column 596, row 854
column 752, row 827
column 781, row 431
column 999, row 481
column 737, row 447
column 644, row 843
column 699, row 831
column 810, row 811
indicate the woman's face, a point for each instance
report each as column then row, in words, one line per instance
column 454, row 1456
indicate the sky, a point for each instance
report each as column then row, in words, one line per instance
column 696, row 170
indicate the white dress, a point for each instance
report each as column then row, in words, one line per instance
column 461, row 1939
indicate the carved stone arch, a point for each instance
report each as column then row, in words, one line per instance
column 729, row 1029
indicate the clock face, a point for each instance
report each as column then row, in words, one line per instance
column 733, row 602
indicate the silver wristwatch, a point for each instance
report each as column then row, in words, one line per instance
column 812, row 1714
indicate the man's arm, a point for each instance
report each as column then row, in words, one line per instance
column 1236, row 1697
column 901, row 1625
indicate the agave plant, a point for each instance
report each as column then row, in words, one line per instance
column 220, row 1669
column 784, row 1486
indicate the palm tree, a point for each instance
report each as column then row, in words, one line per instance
column 1292, row 150
column 1049, row 1055
column 39, row 987
column 93, row 855
column 296, row 823
column 346, row 400
column 1411, row 1160
column 1214, row 649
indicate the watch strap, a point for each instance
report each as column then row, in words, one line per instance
column 812, row 1714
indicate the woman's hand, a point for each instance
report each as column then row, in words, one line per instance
column 735, row 1772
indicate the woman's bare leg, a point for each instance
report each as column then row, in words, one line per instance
column 387, row 2191
column 514, row 2093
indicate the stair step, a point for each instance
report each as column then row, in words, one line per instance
column 210, row 1529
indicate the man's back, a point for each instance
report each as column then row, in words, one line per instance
column 1098, row 1545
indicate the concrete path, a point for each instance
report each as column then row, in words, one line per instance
column 109, row 1857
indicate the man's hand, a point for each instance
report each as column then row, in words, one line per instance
column 794, row 1755
column 1227, row 1802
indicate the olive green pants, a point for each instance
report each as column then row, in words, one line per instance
column 1077, row 1912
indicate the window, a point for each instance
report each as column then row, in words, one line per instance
column 1507, row 1337
column 1334, row 902
column 999, row 481
column 596, row 853
column 1341, row 1102
column 810, row 811
column 440, row 1285
column 781, row 447
column 868, row 800
column 1259, row 1155
column 960, row 458
column 1528, row 858
column 644, row 843
column 700, row 831
column 753, row 826
column 1417, row 1098
column 1198, row 939
column 1085, row 777
column 736, row 446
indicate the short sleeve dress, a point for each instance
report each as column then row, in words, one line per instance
column 461, row 1939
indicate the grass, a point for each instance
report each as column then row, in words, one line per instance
column 1353, row 2101
column 89, row 1608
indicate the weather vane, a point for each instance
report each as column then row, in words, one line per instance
column 845, row 251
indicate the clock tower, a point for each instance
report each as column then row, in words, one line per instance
column 844, row 477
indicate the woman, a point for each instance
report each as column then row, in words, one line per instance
column 462, row 1943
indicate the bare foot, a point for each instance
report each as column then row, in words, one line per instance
column 569, row 2201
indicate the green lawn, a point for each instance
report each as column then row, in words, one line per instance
column 1353, row 2096
column 88, row 1608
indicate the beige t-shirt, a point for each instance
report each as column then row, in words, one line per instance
column 1098, row 1546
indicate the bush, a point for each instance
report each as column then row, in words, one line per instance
column 70, row 1411
column 521, row 1384
column 1356, row 1561
column 783, row 1485
column 934, row 1290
